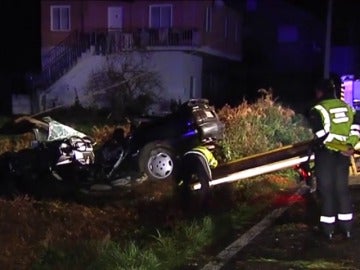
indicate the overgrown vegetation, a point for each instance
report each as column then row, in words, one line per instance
column 260, row 126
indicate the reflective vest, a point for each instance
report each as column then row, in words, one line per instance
column 337, row 117
column 205, row 154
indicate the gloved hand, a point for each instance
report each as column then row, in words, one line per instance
column 349, row 151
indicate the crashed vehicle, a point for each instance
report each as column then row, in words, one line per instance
column 155, row 146
column 59, row 155
column 64, row 157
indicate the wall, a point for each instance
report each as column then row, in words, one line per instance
column 21, row 104
column 175, row 68
column 186, row 14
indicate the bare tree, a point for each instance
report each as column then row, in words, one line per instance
column 125, row 84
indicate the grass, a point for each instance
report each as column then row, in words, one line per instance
column 162, row 251
column 185, row 243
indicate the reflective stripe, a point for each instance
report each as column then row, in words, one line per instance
column 338, row 110
column 345, row 217
column 340, row 119
column 326, row 117
column 328, row 220
column 355, row 130
column 320, row 133
column 333, row 136
column 355, row 133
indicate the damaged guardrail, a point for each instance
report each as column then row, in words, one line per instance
column 270, row 161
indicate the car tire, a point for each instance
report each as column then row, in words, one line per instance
column 158, row 161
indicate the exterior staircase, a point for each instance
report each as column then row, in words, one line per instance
column 61, row 58
column 102, row 42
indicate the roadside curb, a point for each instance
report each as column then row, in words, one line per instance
column 230, row 251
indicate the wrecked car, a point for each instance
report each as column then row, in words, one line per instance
column 154, row 147
column 62, row 156
column 58, row 155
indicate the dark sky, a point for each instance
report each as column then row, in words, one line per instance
column 345, row 18
column 20, row 41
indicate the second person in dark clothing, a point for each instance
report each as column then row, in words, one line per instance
column 337, row 125
column 196, row 166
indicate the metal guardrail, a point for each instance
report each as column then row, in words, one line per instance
column 270, row 161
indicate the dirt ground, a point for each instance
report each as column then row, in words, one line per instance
column 294, row 242
column 291, row 243
column 28, row 224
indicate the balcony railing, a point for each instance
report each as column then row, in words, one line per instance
column 115, row 41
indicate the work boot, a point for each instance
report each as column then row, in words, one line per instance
column 329, row 236
column 347, row 235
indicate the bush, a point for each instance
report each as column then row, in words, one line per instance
column 261, row 126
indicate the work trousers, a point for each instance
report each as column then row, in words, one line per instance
column 195, row 169
column 332, row 173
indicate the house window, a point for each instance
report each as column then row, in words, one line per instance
column 160, row 16
column 60, row 18
column 287, row 34
column 208, row 19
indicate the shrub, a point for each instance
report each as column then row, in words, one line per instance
column 261, row 126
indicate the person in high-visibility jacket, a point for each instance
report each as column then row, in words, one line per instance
column 337, row 125
column 196, row 165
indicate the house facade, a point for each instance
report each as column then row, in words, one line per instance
column 179, row 38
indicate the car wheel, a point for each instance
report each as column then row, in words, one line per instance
column 158, row 161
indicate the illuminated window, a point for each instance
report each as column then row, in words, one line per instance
column 160, row 16
column 287, row 34
column 60, row 18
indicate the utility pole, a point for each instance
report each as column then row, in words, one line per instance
column 328, row 40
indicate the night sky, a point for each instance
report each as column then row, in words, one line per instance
column 345, row 22
column 20, row 42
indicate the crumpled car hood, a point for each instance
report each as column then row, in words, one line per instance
column 53, row 129
column 59, row 131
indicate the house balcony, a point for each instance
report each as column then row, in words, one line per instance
column 108, row 41
column 114, row 40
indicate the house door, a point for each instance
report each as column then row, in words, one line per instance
column 115, row 18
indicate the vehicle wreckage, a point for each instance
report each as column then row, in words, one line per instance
column 64, row 155
column 61, row 154
column 57, row 154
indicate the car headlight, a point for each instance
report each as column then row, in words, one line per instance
column 65, row 148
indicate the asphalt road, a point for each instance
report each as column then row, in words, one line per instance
column 293, row 241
